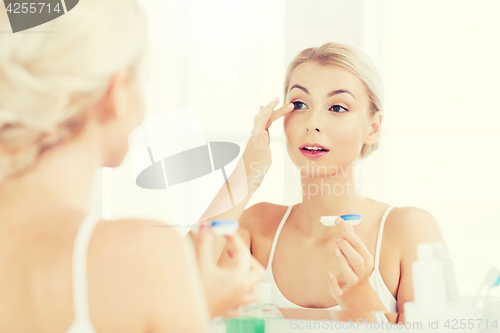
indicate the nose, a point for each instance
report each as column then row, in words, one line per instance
column 314, row 128
column 313, row 122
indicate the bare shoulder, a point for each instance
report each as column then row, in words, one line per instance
column 262, row 219
column 410, row 226
column 412, row 220
column 141, row 244
column 131, row 232
column 133, row 240
column 139, row 262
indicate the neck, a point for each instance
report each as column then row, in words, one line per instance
column 334, row 194
column 62, row 178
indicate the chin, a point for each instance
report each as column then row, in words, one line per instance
column 322, row 167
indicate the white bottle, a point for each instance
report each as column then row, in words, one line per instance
column 429, row 285
column 449, row 271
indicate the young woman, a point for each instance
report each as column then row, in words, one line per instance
column 333, row 115
column 68, row 102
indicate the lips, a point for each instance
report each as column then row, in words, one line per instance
column 313, row 154
column 313, row 145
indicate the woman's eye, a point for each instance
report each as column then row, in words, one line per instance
column 338, row 109
column 298, row 105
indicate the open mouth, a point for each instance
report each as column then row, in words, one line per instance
column 313, row 152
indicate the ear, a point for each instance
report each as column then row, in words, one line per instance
column 110, row 105
column 374, row 129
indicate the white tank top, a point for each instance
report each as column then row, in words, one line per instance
column 81, row 322
column 375, row 278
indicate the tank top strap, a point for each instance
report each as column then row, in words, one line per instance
column 379, row 237
column 79, row 274
column 277, row 234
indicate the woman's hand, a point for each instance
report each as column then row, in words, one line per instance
column 354, row 265
column 227, row 288
column 257, row 155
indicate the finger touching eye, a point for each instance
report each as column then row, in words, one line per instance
column 299, row 105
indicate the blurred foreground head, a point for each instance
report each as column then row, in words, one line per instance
column 49, row 80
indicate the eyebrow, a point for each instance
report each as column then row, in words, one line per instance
column 330, row 94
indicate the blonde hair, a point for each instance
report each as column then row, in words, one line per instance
column 352, row 59
column 48, row 80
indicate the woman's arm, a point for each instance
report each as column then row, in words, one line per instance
column 252, row 222
column 238, row 188
column 249, row 172
column 250, row 169
column 411, row 226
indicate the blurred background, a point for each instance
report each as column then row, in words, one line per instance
column 439, row 63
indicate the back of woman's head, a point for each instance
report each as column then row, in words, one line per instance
column 48, row 80
column 352, row 59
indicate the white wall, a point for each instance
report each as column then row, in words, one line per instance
column 441, row 76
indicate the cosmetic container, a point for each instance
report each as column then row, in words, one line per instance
column 449, row 271
column 429, row 283
column 219, row 226
column 429, row 290
column 224, row 226
column 438, row 305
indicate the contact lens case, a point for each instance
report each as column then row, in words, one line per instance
column 350, row 219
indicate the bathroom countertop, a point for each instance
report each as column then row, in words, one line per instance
column 316, row 326
column 312, row 321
